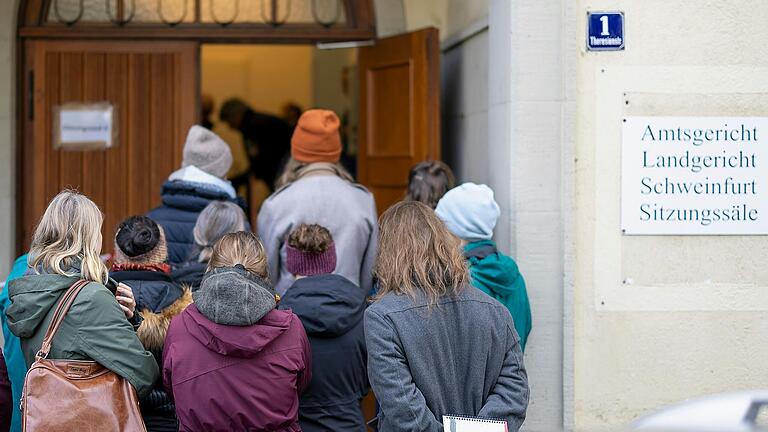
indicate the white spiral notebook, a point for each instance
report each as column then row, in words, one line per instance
column 472, row 424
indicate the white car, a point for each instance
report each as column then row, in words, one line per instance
column 727, row 412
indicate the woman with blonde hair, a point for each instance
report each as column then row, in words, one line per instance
column 435, row 346
column 65, row 248
column 232, row 360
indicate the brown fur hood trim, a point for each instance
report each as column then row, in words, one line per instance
column 152, row 330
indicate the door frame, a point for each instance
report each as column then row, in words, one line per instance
column 31, row 25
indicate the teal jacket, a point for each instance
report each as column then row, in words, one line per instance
column 14, row 358
column 498, row 276
column 95, row 327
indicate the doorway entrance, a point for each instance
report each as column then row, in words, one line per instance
column 149, row 69
column 277, row 81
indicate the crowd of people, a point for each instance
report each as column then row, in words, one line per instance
column 287, row 326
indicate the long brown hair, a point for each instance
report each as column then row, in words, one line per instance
column 417, row 254
column 242, row 248
column 428, row 181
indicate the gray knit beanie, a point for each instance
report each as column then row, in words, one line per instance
column 234, row 296
column 205, row 150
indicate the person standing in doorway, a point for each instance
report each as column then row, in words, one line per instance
column 201, row 179
column 206, row 111
column 331, row 309
column 470, row 213
column 315, row 188
column 267, row 138
column 435, row 345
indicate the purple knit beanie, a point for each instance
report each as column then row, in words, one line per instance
column 310, row 264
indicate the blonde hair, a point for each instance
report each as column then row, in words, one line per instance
column 417, row 254
column 242, row 248
column 216, row 219
column 69, row 231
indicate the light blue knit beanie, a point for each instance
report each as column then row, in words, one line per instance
column 469, row 211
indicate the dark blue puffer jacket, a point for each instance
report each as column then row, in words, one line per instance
column 331, row 309
column 182, row 203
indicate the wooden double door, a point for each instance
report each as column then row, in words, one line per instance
column 154, row 87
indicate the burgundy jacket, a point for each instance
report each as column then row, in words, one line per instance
column 6, row 402
column 230, row 378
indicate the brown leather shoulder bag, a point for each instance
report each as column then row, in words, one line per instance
column 76, row 395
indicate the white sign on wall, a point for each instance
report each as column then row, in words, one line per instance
column 694, row 175
column 84, row 126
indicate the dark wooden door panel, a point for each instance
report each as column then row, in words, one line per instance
column 400, row 111
column 154, row 88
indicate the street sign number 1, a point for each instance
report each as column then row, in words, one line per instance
column 605, row 31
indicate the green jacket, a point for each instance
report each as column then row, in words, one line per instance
column 498, row 276
column 94, row 329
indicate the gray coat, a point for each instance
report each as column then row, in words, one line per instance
column 346, row 209
column 461, row 357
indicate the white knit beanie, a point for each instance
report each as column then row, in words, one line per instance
column 205, row 150
column 469, row 211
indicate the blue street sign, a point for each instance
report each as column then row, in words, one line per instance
column 605, row 31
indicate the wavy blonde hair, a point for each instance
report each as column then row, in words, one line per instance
column 242, row 248
column 417, row 254
column 69, row 231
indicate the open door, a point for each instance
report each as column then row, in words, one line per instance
column 153, row 87
column 399, row 111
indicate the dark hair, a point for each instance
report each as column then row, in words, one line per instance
column 231, row 108
column 137, row 235
column 428, row 181
column 313, row 238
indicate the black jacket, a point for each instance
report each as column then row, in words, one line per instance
column 331, row 309
column 268, row 140
column 182, row 203
column 158, row 299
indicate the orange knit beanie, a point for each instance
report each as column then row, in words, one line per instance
column 316, row 137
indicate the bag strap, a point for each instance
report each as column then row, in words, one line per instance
column 58, row 316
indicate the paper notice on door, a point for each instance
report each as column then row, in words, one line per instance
column 472, row 424
column 84, row 126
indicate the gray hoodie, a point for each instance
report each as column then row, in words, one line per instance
column 461, row 357
column 346, row 209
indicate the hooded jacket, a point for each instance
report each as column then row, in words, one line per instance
column 158, row 300
column 182, row 202
column 95, row 327
column 240, row 376
column 498, row 276
column 331, row 309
